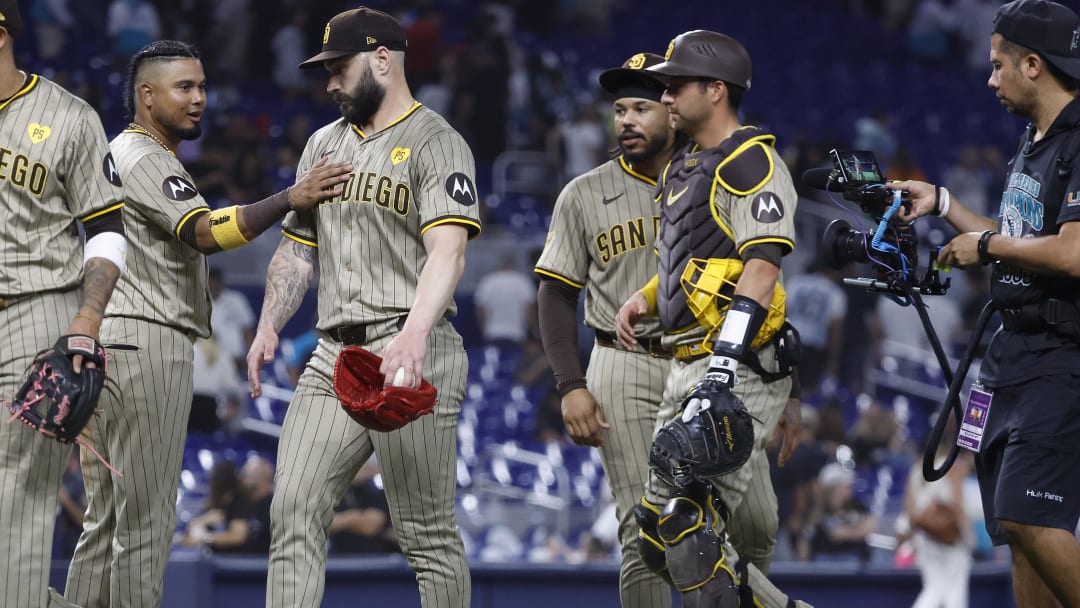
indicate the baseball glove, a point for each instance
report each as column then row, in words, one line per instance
column 53, row 399
column 712, row 435
column 360, row 387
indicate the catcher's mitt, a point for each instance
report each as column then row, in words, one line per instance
column 712, row 435
column 53, row 399
column 360, row 387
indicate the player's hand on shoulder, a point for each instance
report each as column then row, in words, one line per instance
column 629, row 314
column 320, row 183
column 920, row 195
column 407, row 351
column 261, row 352
column 583, row 418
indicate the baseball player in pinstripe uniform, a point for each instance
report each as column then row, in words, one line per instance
column 390, row 251
column 162, row 305
column 55, row 168
column 602, row 238
column 727, row 196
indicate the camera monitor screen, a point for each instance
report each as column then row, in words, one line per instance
column 858, row 166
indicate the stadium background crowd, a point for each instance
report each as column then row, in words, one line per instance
column 518, row 79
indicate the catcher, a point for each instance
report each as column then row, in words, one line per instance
column 726, row 220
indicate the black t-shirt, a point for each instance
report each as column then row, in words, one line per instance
column 363, row 496
column 257, row 515
column 1036, row 202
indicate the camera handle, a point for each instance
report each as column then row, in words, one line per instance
column 952, row 399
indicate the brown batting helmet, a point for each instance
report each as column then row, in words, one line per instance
column 705, row 54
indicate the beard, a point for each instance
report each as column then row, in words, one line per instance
column 653, row 147
column 190, row 133
column 364, row 101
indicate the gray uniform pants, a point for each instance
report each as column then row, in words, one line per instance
column 321, row 450
column 127, row 533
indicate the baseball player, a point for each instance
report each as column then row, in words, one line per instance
column 55, row 168
column 602, row 237
column 161, row 306
column 390, row 250
column 727, row 198
column 1022, row 415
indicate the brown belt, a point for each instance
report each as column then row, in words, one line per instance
column 651, row 345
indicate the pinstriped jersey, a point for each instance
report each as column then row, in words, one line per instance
column 415, row 174
column 603, row 236
column 54, row 167
column 166, row 279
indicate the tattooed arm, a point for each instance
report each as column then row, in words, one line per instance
column 287, row 279
column 99, row 278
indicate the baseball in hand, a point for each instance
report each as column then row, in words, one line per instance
column 399, row 377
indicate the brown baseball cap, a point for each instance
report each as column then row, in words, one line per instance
column 10, row 18
column 1048, row 28
column 356, row 31
column 633, row 80
column 706, row 54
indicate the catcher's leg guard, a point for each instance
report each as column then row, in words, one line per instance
column 650, row 547
column 695, row 554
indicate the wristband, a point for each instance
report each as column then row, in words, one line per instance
column 984, row 247
column 224, row 228
column 946, row 202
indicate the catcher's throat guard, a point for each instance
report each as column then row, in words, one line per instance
column 707, row 439
column 363, row 395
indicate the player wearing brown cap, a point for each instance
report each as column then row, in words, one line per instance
column 603, row 238
column 55, row 171
column 390, row 250
column 726, row 219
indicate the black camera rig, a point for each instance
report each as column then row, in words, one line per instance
column 892, row 249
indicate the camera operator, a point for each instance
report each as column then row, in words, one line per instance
column 1029, row 462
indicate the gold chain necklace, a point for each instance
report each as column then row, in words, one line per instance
column 140, row 129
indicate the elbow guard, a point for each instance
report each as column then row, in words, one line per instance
column 225, row 228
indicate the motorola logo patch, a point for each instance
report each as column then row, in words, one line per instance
column 178, row 189
column 767, row 208
column 461, row 189
column 108, row 166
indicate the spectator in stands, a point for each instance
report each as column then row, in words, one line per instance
column 817, row 306
column 930, row 30
column 481, row 91
column 289, row 46
column 506, row 305
column 131, row 25
column 52, row 21
column 233, row 321
column 796, row 482
column 875, row 133
column 227, row 41
column 943, row 533
column 840, row 523
column 874, row 437
column 69, row 519
column 968, row 179
column 218, row 390
column 242, row 525
column 362, row 520
column 579, row 143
